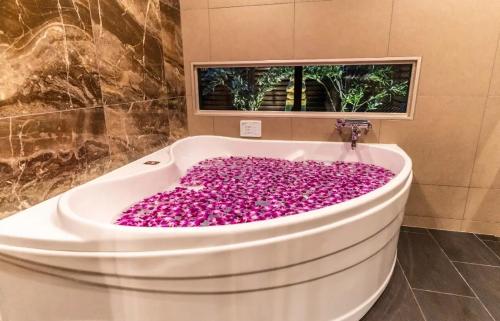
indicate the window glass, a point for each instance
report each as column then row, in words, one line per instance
column 321, row 88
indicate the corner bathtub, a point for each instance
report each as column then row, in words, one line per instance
column 63, row 259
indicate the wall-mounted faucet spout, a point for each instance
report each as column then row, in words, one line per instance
column 356, row 125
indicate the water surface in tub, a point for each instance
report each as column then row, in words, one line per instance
column 232, row 190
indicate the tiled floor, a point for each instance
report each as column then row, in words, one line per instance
column 442, row 276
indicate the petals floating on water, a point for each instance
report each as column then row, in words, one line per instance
column 234, row 190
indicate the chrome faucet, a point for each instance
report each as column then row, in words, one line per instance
column 356, row 125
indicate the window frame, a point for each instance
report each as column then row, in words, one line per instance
column 412, row 93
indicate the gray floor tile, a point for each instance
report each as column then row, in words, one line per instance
column 465, row 247
column 396, row 303
column 494, row 246
column 447, row 307
column 486, row 237
column 427, row 267
column 485, row 281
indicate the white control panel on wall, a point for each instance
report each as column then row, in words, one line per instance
column 250, row 128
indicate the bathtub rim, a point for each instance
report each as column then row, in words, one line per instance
column 66, row 259
column 71, row 217
column 212, row 249
column 71, row 273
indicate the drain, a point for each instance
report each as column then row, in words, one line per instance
column 151, row 163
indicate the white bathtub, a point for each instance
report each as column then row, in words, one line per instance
column 64, row 259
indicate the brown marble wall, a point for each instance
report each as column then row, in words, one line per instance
column 85, row 86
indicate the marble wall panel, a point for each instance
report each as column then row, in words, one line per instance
column 172, row 47
column 177, row 118
column 129, row 47
column 8, row 201
column 85, row 86
column 83, row 78
column 47, row 57
column 136, row 129
column 46, row 154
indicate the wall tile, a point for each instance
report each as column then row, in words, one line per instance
column 171, row 3
column 198, row 125
column 82, row 73
column 495, row 77
column 489, row 228
column 196, row 41
column 456, row 62
column 47, row 62
column 323, row 129
column 171, row 37
column 441, row 140
column 342, row 28
column 177, row 118
column 56, row 151
column 318, row 129
column 427, row 201
column 432, row 222
column 8, row 173
column 136, row 129
column 486, row 171
column 239, row 3
column 272, row 127
column 457, row 40
column 129, row 49
column 193, row 4
column 50, row 79
column 483, row 205
column 252, row 33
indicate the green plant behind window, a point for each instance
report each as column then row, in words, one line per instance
column 247, row 90
column 349, row 88
column 358, row 88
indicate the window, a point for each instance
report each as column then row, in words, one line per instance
column 376, row 88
